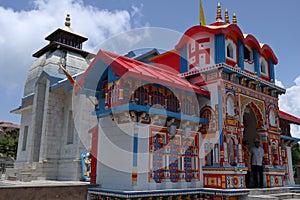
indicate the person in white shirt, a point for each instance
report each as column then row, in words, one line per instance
column 257, row 153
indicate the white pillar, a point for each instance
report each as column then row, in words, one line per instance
column 291, row 180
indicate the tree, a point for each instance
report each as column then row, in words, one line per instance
column 9, row 143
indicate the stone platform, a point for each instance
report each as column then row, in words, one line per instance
column 44, row 189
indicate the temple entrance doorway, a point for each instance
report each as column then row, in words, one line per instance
column 250, row 124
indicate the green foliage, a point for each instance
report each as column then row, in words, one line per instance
column 9, row 144
column 296, row 155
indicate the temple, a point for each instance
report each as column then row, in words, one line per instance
column 174, row 126
column 156, row 125
column 49, row 144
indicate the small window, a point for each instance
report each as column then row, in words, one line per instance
column 229, row 51
column 272, row 118
column 25, row 135
column 70, row 130
column 247, row 54
column 263, row 68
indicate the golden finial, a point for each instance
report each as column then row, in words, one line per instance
column 226, row 17
column 219, row 14
column 68, row 21
column 234, row 21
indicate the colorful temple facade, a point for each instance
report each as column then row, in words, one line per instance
column 175, row 127
column 166, row 126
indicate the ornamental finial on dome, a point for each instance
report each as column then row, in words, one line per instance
column 68, row 21
column 219, row 14
column 234, row 20
column 227, row 17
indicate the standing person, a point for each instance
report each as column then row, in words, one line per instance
column 257, row 153
column 247, row 161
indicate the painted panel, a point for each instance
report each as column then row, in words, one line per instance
column 240, row 54
column 256, row 62
column 183, row 60
column 220, row 49
column 200, row 51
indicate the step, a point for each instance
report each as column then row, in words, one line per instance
column 284, row 195
column 262, row 197
column 267, row 191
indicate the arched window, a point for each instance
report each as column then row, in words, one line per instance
column 272, row 118
column 230, row 51
column 230, row 106
column 248, row 55
column 263, row 66
column 207, row 115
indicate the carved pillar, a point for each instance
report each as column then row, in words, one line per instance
column 265, row 144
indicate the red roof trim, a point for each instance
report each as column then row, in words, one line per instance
column 233, row 29
column 124, row 67
column 289, row 117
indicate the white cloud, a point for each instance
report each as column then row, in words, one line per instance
column 278, row 83
column 23, row 32
column 289, row 102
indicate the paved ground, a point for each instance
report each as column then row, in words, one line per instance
column 43, row 189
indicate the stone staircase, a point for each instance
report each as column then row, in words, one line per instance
column 273, row 193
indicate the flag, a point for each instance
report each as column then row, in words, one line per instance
column 202, row 17
column 70, row 78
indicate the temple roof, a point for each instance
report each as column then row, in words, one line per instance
column 124, row 66
column 228, row 29
column 290, row 118
column 66, row 29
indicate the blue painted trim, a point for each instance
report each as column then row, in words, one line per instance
column 290, row 138
column 220, row 49
column 256, row 62
column 240, row 54
column 135, row 147
column 183, row 59
column 272, row 70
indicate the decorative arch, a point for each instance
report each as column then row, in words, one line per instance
column 208, row 113
column 257, row 112
column 230, row 104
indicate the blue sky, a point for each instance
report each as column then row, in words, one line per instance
column 24, row 25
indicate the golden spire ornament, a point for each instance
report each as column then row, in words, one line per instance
column 219, row 14
column 202, row 16
column 68, row 21
column 227, row 17
column 234, row 20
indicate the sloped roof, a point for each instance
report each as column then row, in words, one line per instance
column 7, row 124
column 123, row 66
column 67, row 30
column 289, row 117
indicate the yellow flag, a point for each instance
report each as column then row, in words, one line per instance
column 202, row 17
